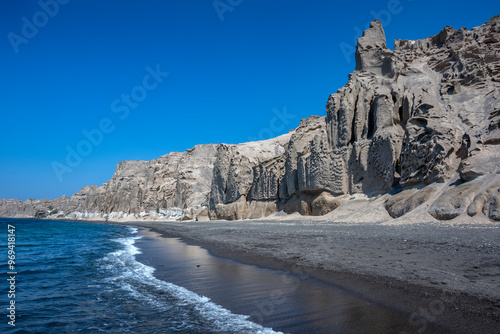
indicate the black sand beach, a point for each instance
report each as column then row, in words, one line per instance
column 440, row 277
column 284, row 301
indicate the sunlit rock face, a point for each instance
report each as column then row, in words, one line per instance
column 425, row 113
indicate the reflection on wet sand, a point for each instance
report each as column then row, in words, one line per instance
column 285, row 301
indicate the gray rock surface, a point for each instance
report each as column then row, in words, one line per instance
column 409, row 199
column 487, row 199
column 427, row 112
column 325, row 203
column 246, row 172
column 455, row 201
column 473, row 197
column 176, row 180
column 299, row 146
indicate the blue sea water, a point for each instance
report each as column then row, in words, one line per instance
column 73, row 277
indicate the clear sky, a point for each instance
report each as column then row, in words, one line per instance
column 86, row 84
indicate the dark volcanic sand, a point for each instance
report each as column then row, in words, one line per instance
column 442, row 276
column 287, row 302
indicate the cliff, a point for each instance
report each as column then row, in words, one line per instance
column 413, row 126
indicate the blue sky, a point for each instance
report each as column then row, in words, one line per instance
column 86, row 84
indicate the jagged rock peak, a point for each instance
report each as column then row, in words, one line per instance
column 374, row 37
column 371, row 48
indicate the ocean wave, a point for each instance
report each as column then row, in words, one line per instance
column 189, row 308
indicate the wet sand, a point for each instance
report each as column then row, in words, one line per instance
column 442, row 277
column 286, row 302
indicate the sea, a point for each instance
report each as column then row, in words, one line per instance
column 75, row 277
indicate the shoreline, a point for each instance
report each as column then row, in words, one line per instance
column 451, row 310
column 277, row 299
column 463, row 296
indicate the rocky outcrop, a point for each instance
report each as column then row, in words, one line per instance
column 236, row 167
column 418, row 115
column 160, row 188
column 325, row 203
column 176, row 180
column 408, row 200
column 18, row 208
column 409, row 122
column 480, row 195
column 254, row 179
column 454, row 202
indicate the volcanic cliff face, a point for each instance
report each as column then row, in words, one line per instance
column 421, row 122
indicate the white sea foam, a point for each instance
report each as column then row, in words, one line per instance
column 138, row 280
column 133, row 230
